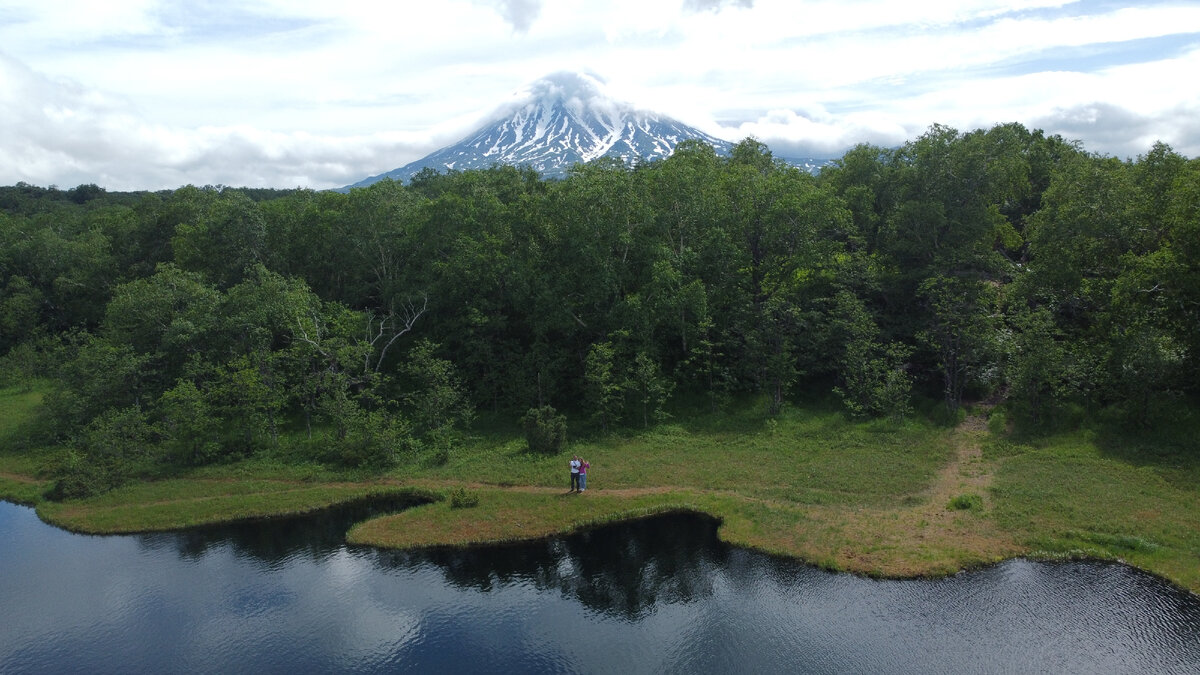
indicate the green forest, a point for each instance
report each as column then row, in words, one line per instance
column 208, row 324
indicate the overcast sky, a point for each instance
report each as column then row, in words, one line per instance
column 140, row 94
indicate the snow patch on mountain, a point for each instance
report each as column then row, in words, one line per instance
column 559, row 121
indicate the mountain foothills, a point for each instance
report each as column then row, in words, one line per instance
column 199, row 325
column 565, row 119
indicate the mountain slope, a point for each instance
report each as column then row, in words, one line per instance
column 562, row 120
column 565, row 119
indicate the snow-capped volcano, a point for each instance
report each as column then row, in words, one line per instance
column 561, row 120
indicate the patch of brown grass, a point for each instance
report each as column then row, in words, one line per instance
column 918, row 535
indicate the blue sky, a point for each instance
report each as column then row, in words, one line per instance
column 142, row 94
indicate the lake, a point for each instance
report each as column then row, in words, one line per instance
column 655, row 596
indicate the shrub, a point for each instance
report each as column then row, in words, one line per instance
column 997, row 422
column 605, row 388
column 21, row 366
column 438, row 404
column 461, row 498
column 545, row 430
column 943, row 415
column 874, row 378
column 371, row 439
column 875, row 382
column 192, row 434
column 83, row 477
column 441, row 455
column 114, row 447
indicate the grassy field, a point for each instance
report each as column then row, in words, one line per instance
column 876, row 498
column 22, row 477
column 1131, row 497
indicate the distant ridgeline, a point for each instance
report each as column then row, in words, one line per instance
column 566, row 120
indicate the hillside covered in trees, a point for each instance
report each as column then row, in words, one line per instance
column 206, row 324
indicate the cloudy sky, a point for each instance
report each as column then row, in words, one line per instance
column 142, row 94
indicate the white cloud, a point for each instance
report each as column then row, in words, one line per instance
column 520, row 13
column 143, row 93
column 1120, row 111
column 715, row 5
column 72, row 135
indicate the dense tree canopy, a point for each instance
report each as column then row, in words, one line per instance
column 189, row 326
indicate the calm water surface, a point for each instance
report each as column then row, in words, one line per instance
column 655, row 596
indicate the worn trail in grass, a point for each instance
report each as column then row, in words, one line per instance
column 921, row 534
column 915, row 533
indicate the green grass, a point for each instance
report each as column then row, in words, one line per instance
column 810, row 483
column 1071, row 494
column 22, row 491
column 22, row 469
column 17, row 406
column 808, row 457
column 180, row 503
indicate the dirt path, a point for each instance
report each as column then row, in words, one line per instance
column 29, row 480
column 435, row 484
column 967, row 472
column 904, row 538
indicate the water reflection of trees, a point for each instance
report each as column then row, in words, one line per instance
column 273, row 540
column 622, row 570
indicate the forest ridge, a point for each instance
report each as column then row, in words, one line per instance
column 204, row 324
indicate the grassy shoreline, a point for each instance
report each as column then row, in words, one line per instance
column 880, row 499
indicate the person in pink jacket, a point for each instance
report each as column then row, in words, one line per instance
column 583, row 469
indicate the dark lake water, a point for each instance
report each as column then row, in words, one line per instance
column 656, row 596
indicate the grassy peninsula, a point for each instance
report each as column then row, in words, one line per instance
column 878, row 497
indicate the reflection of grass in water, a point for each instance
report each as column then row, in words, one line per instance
column 508, row 516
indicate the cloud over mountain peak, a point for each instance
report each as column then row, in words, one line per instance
column 556, row 122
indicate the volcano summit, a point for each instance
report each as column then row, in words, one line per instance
column 563, row 119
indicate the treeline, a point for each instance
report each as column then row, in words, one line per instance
column 194, row 325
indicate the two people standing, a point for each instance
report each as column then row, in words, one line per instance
column 579, row 468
